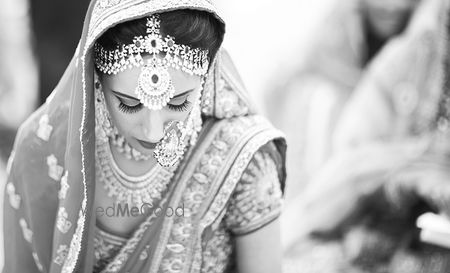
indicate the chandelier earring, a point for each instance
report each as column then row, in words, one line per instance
column 103, row 125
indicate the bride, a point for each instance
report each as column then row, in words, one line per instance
column 147, row 156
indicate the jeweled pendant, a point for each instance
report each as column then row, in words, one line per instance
column 155, row 88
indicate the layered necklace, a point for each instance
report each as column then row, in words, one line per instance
column 132, row 190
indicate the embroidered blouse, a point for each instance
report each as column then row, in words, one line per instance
column 256, row 201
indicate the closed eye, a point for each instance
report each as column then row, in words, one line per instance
column 130, row 105
column 130, row 109
column 180, row 107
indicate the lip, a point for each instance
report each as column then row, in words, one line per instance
column 147, row 145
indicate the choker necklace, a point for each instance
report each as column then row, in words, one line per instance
column 131, row 190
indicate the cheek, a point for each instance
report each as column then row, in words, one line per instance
column 175, row 115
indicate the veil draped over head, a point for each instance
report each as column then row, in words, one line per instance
column 66, row 144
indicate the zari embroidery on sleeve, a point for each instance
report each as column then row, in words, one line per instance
column 257, row 199
column 217, row 252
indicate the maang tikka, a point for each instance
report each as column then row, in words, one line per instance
column 155, row 88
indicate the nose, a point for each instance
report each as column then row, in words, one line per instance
column 153, row 126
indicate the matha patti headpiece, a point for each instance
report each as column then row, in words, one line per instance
column 155, row 87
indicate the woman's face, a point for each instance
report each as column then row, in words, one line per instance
column 388, row 17
column 140, row 126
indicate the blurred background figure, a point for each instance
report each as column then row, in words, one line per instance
column 381, row 201
column 311, row 97
column 57, row 34
column 18, row 78
column 18, row 71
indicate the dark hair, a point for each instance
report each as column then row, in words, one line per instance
column 197, row 29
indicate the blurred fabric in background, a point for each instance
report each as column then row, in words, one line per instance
column 267, row 38
column 337, row 61
column 270, row 41
column 367, row 119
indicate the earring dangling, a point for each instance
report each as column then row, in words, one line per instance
column 103, row 125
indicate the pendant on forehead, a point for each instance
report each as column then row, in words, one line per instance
column 155, row 88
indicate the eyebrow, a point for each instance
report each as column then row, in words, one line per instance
column 133, row 98
column 182, row 94
column 124, row 95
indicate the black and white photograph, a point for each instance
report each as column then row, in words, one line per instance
column 225, row 136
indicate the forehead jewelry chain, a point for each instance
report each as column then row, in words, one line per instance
column 154, row 88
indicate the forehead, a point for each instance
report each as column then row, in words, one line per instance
column 127, row 80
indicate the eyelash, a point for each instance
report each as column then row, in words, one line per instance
column 181, row 107
column 129, row 109
column 134, row 109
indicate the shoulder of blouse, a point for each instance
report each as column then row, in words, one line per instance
column 258, row 197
